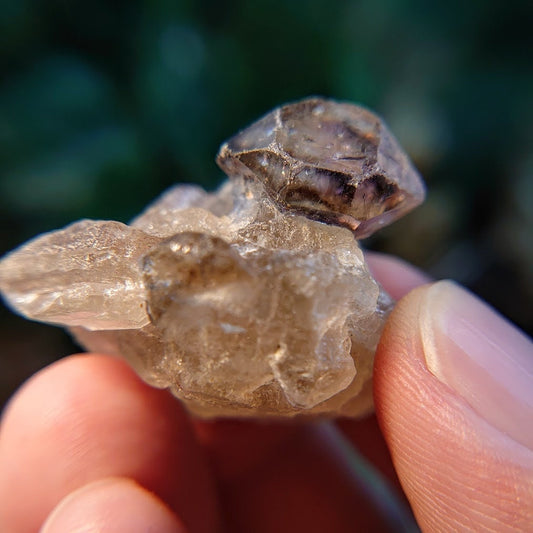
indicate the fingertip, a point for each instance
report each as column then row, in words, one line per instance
column 87, row 417
column 112, row 505
column 395, row 275
column 481, row 356
column 456, row 466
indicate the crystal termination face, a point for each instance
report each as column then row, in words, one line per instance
column 254, row 300
column 334, row 162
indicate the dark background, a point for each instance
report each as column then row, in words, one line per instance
column 105, row 104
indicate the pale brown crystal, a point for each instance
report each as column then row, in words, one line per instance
column 334, row 162
column 251, row 301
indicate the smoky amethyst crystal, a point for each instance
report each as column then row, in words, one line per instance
column 254, row 300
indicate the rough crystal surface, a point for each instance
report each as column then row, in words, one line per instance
column 254, row 300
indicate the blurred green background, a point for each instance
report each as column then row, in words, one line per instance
column 105, row 104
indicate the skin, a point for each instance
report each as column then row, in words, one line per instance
column 86, row 446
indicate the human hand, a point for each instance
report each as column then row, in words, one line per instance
column 85, row 445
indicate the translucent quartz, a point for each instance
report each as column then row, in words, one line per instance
column 334, row 162
column 251, row 301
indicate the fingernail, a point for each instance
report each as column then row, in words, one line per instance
column 482, row 357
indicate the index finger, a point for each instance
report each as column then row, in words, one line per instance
column 395, row 275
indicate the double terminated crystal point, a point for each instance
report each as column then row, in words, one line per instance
column 254, row 300
column 332, row 162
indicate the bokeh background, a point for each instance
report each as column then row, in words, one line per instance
column 105, row 104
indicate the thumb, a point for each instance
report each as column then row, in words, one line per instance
column 454, row 398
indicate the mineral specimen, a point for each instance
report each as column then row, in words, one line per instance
column 329, row 161
column 251, row 301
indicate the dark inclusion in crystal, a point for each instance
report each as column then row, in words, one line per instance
column 333, row 162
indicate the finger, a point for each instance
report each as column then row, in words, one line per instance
column 395, row 275
column 454, row 397
column 398, row 278
column 88, row 417
column 294, row 478
column 112, row 505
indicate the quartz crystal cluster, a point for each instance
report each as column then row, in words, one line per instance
column 251, row 301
